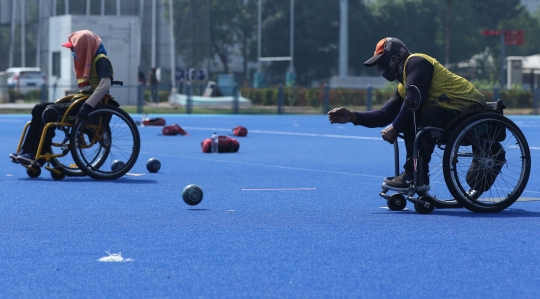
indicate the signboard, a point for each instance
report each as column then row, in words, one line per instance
column 514, row 37
column 511, row 37
column 491, row 32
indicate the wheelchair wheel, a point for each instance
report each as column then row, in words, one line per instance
column 487, row 163
column 107, row 135
column 66, row 163
column 33, row 172
column 397, row 203
column 422, row 209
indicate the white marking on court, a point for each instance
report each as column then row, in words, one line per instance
column 387, row 208
column 278, row 189
column 528, row 199
column 292, row 133
column 135, row 174
column 309, row 134
column 114, row 257
column 273, row 166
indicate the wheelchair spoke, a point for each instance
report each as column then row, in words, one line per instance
column 489, row 162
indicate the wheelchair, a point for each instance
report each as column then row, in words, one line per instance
column 103, row 147
column 481, row 162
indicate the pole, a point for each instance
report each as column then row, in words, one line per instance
column 153, row 39
column 369, row 102
column 102, row 7
column 38, row 42
column 344, row 38
column 208, row 43
column 87, row 7
column 23, row 33
column 502, row 59
column 259, row 21
column 117, row 8
column 447, row 33
column 280, row 99
column 235, row 98
column 12, row 34
column 172, row 48
column 326, row 98
column 292, row 37
column 66, row 7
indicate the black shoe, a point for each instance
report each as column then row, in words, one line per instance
column 389, row 178
column 402, row 182
column 13, row 156
column 27, row 159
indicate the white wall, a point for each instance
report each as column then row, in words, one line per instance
column 120, row 38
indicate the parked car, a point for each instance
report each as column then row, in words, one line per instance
column 25, row 79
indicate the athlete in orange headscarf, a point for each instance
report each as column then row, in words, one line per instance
column 94, row 76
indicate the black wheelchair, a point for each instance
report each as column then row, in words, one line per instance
column 105, row 146
column 481, row 162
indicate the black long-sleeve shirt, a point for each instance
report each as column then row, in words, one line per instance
column 419, row 73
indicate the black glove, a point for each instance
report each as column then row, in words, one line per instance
column 82, row 115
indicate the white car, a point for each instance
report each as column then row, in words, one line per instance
column 25, row 79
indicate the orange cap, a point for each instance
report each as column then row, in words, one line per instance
column 379, row 51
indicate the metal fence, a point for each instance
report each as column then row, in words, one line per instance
column 157, row 99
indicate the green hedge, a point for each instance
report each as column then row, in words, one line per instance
column 313, row 97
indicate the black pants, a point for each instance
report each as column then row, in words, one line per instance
column 37, row 124
column 33, row 136
column 433, row 117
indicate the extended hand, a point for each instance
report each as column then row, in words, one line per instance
column 341, row 116
column 389, row 134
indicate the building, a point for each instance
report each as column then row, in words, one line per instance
column 154, row 43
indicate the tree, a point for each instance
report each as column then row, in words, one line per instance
column 316, row 26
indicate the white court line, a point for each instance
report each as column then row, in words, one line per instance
column 278, row 189
column 308, row 134
column 266, row 165
column 291, row 133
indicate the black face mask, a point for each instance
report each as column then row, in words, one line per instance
column 391, row 64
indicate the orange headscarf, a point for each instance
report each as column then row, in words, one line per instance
column 85, row 44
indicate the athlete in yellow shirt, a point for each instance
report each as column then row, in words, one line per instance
column 437, row 95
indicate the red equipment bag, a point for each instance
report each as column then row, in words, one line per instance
column 173, row 130
column 225, row 145
column 240, row 131
column 159, row 121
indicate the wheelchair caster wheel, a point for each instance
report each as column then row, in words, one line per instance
column 58, row 175
column 33, row 172
column 424, row 208
column 397, row 202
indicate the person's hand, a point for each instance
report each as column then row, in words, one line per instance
column 341, row 116
column 82, row 115
column 389, row 134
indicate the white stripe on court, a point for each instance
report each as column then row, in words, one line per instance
column 278, row 189
column 266, row 165
column 291, row 133
column 308, row 134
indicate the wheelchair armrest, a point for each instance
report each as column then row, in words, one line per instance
column 121, row 83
